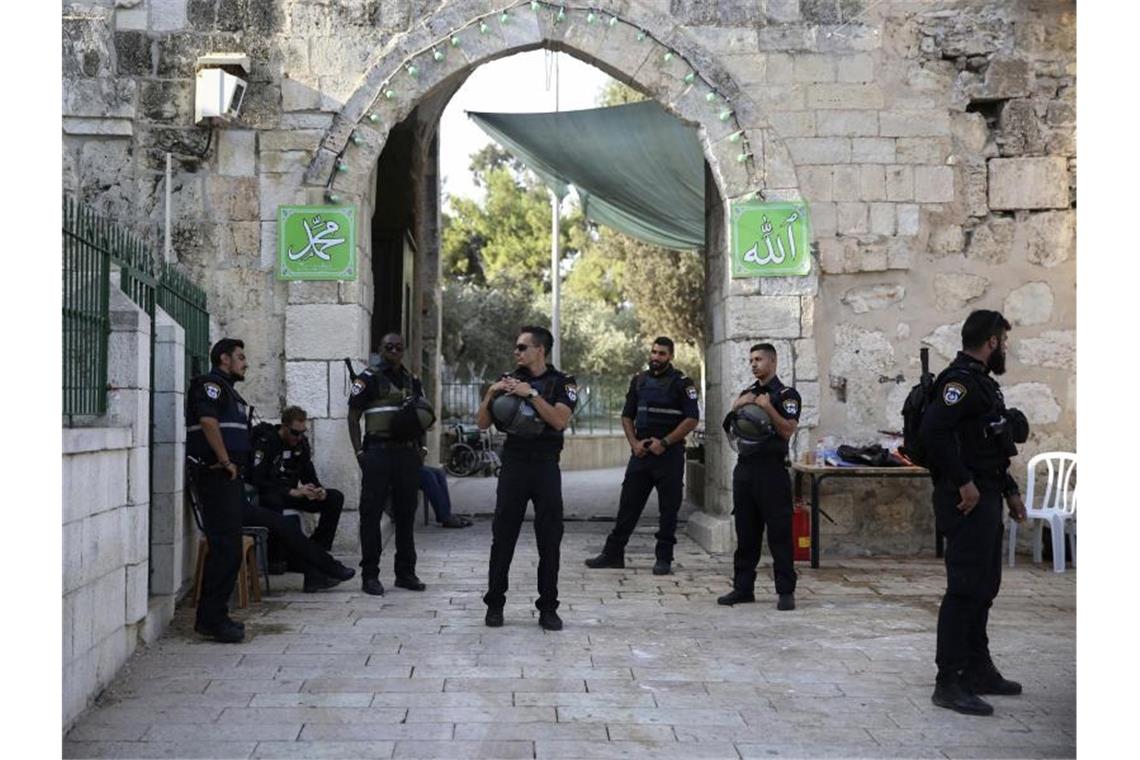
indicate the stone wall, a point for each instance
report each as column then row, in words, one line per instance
column 933, row 139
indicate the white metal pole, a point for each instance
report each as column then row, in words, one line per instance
column 555, row 281
column 167, row 245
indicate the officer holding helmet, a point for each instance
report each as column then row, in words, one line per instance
column 390, row 399
column 763, row 419
column 660, row 410
column 533, row 406
column 968, row 436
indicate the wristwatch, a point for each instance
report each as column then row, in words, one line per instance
column 532, row 393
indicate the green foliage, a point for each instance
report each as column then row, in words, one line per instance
column 616, row 93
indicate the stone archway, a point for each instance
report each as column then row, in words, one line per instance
column 640, row 47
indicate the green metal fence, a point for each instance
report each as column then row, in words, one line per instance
column 91, row 246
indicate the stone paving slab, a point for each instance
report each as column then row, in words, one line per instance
column 647, row 666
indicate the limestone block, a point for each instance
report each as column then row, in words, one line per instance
column 933, row 184
column 823, row 219
column 104, row 544
column 1006, row 78
column 713, row 531
column 810, row 396
column 806, row 363
column 1049, row 237
column 975, row 191
column 953, row 290
column 1020, row 129
column 856, row 68
column 82, row 604
column 1055, row 348
column 900, row 183
column 167, row 522
column 1028, row 183
column 300, row 93
column 845, row 183
column 883, row 219
column 946, row 239
column 167, row 15
column 922, row 150
column 340, row 53
column 969, row 130
column 72, row 556
column 100, row 98
column 872, row 182
column 782, row 11
column 860, row 351
column 816, row 182
column 762, row 316
column 334, row 459
column 914, row 123
column 819, row 150
column 128, row 361
column 307, row 139
column 275, row 190
column 112, row 652
column 892, row 408
column 136, row 600
column 873, row 150
column 865, row 298
column 324, row 331
column 779, row 169
column 991, row 241
column 793, row 123
column 1035, row 400
column 138, row 474
column 851, row 218
column 110, row 611
column 306, row 386
column 946, row 339
column 807, row 285
column 133, row 53
column 838, row 255
column 813, row 68
column 847, row 95
column 268, row 260
column 1030, row 304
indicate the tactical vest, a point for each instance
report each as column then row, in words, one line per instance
column 233, row 421
column 658, row 412
column 379, row 413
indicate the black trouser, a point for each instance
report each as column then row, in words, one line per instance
column 221, row 504
column 762, row 497
column 329, row 510
column 525, row 479
column 666, row 473
column 300, row 552
column 395, row 469
column 973, row 573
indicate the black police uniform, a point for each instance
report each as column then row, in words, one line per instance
column 530, row 473
column 656, row 404
column 390, row 464
column 278, row 468
column 221, row 498
column 762, row 497
column 958, row 435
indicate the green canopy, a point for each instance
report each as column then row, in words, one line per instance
column 635, row 167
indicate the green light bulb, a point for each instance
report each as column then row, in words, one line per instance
column 341, row 167
column 505, row 18
column 668, row 56
column 640, row 35
column 613, row 20
column 534, row 5
column 412, row 70
column 725, row 115
column 590, row 17
column 332, row 197
column 735, row 137
column 710, row 96
column 690, row 77
column 373, row 117
column 437, row 55
column 561, row 15
column 454, row 41
column 741, row 158
column 482, row 27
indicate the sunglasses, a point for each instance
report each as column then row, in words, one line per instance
column 522, row 347
column 393, row 346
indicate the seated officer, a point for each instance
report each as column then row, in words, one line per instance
column 285, row 478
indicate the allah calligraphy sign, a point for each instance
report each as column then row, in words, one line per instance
column 316, row 243
column 770, row 239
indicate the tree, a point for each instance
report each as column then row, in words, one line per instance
column 616, row 93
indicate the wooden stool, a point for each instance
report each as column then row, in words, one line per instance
column 247, row 584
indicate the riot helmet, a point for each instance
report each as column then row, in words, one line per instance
column 413, row 419
column 516, row 416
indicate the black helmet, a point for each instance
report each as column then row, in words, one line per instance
column 1018, row 425
column 413, row 419
column 515, row 415
column 752, row 424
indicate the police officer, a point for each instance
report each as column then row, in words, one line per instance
column 968, row 437
column 761, row 489
column 530, row 470
column 660, row 410
column 218, row 445
column 389, row 457
column 285, row 477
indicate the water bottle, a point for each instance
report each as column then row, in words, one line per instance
column 820, row 453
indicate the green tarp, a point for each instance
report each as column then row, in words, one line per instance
column 635, row 167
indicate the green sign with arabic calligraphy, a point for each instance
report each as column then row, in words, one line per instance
column 316, row 242
column 770, row 239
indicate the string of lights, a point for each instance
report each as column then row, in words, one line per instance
column 559, row 12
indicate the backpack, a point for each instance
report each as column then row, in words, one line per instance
column 913, row 410
column 261, row 433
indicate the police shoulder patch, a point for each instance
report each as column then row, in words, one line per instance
column 952, row 393
column 213, row 390
column 257, row 457
column 572, row 391
column 790, row 406
column 691, row 391
column 358, row 386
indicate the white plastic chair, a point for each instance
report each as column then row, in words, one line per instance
column 1058, row 506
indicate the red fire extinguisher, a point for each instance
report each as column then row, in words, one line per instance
column 801, row 532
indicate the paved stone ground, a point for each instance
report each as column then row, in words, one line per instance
column 646, row 667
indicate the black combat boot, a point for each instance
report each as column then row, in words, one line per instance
column 985, row 679
column 950, row 692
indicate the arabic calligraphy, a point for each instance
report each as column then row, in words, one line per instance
column 319, row 242
column 776, row 253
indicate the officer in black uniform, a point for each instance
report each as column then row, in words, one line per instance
column 217, row 446
column 530, row 473
column 761, row 489
column 660, row 410
column 389, row 457
column 968, row 437
column 285, row 477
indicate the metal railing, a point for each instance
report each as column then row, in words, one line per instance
column 91, row 246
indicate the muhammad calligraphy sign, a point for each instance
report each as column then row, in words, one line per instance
column 316, row 243
column 770, row 239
